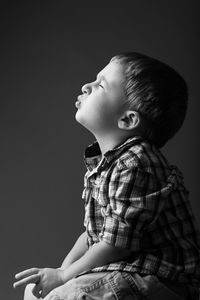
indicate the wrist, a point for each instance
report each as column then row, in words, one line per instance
column 61, row 276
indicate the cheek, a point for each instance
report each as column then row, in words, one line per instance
column 98, row 111
column 104, row 112
column 96, row 105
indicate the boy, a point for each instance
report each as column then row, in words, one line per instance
column 141, row 240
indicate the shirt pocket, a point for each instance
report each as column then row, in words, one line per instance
column 99, row 193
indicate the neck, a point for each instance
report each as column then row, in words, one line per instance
column 107, row 142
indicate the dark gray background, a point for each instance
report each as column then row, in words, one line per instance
column 49, row 49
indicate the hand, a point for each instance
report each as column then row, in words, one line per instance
column 45, row 280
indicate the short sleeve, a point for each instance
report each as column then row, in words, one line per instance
column 134, row 203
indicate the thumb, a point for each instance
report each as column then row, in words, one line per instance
column 44, row 293
column 37, row 290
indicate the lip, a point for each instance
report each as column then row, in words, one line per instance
column 80, row 97
column 78, row 104
column 79, row 101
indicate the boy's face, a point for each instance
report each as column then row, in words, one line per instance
column 101, row 104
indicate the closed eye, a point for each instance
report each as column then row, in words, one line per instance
column 99, row 82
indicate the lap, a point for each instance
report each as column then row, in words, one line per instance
column 100, row 285
column 114, row 285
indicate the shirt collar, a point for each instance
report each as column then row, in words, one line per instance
column 93, row 157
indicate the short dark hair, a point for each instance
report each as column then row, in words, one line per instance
column 157, row 92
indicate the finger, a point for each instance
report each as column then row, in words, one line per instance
column 37, row 290
column 26, row 273
column 25, row 281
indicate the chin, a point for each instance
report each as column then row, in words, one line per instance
column 77, row 116
column 79, row 119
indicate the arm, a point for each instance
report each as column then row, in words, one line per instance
column 98, row 255
column 79, row 248
column 47, row 279
column 112, row 247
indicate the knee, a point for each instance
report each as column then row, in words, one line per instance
column 28, row 292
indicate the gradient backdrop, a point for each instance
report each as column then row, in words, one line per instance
column 49, row 49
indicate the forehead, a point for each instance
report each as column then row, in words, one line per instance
column 113, row 73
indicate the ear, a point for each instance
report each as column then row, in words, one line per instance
column 129, row 120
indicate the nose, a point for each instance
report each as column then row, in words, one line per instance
column 86, row 88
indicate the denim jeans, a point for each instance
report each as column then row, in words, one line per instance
column 122, row 286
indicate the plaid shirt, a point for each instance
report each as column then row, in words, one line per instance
column 135, row 200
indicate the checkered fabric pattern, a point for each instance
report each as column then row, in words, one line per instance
column 135, row 199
